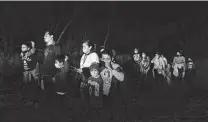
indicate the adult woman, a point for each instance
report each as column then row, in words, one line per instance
column 87, row 59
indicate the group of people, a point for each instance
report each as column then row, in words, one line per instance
column 100, row 78
column 101, row 81
column 163, row 70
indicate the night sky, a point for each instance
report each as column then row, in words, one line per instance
column 142, row 23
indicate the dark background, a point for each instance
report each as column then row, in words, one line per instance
column 148, row 25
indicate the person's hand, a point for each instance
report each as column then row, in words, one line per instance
column 108, row 66
column 33, row 43
column 53, row 79
column 79, row 70
column 66, row 58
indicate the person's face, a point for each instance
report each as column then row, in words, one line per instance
column 136, row 51
column 156, row 55
column 94, row 73
column 178, row 54
column 58, row 65
column 106, row 58
column 24, row 48
column 136, row 57
column 143, row 55
column 86, row 48
column 48, row 38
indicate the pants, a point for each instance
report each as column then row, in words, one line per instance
column 136, row 73
column 158, row 77
column 190, row 75
column 84, row 94
column 48, row 88
column 179, row 71
column 112, row 102
column 28, row 75
column 59, row 101
column 29, row 88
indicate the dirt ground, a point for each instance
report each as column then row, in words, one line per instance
column 159, row 103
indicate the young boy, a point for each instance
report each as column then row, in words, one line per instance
column 60, row 80
column 95, row 84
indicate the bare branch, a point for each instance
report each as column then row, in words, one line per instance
column 106, row 38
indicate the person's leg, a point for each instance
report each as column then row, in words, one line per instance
column 23, row 87
column 115, row 102
column 161, row 79
column 48, row 92
column 156, row 76
column 126, row 98
column 35, row 77
column 85, row 98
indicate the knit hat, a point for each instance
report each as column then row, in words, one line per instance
column 94, row 66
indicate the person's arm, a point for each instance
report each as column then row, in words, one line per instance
column 118, row 73
column 163, row 63
column 94, row 58
column 152, row 61
column 174, row 61
column 184, row 62
column 66, row 64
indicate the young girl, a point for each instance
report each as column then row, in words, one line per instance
column 87, row 59
column 111, row 74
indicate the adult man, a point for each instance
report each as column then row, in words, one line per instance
column 48, row 69
column 179, row 66
column 158, row 69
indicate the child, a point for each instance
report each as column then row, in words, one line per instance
column 60, row 80
column 95, row 84
column 29, row 88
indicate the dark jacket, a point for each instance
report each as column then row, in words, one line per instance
column 61, row 81
column 50, row 53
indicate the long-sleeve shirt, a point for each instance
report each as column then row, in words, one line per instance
column 86, row 61
column 29, row 60
column 159, row 63
column 50, row 53
column 179, row 60
column 111, row 78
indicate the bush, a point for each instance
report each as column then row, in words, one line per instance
column 10, row 64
